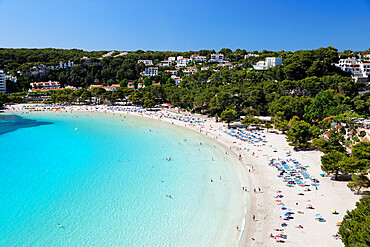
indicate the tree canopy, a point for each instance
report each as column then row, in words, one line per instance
column 330, row 162
column 229, row 116
column 355, row 228
column 306, row 85
column 300, row 133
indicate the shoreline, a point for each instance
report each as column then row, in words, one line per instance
column 245, row 178
column 263, row 205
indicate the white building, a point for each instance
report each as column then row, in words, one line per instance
column 197, row 58
column 361, row 72
column 121, row 54
column 62, row 65
column 273, row 61
column 356, row 67
column 130, row 85
column 178, row 81
column 204, row 68
column 183, row 62
column 150, row 71
column 95, row 85
column 217, row 58
column 173, row 72
column 85, row 61
column 172, row 59
column 45, row 85
column 261, row 65
column 189, row 71
column 110, row 88
column 251, row 55
column 2, row 82
column 146, row 62
column 166, row 63
column 225, row 64
column 9, row 77
column 108, row 54
column 268, row 63
column 348, row 64
column 367, row 55
column 365, row 67
column 70, row 87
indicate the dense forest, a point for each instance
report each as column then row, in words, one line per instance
column 17, row 59
column 307, row 84
column 297, row 88
column 355, row 229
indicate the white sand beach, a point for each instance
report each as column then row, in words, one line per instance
column 255, row 168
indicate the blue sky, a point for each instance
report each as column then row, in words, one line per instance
column 185, row 25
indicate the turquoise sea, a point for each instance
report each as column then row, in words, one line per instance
column 106, row 181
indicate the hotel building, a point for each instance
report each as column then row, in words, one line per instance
column 2, row 82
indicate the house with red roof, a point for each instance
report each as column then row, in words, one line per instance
column 45, row 85
column 173, row 72
column 189, row 71
column 166, row 63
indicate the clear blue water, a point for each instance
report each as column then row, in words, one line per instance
column 105, row 180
